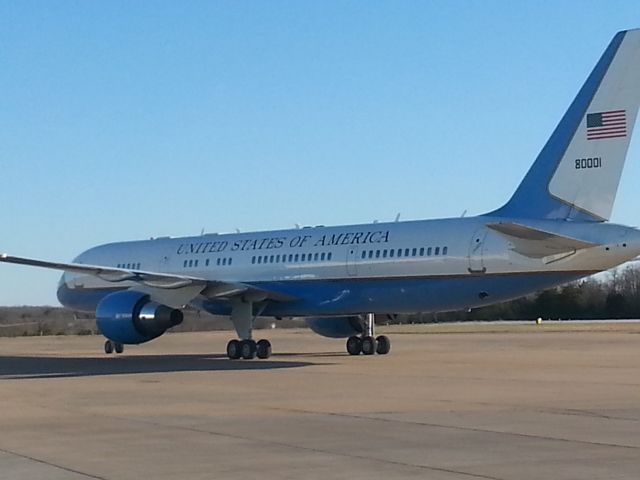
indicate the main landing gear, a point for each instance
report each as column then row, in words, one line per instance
column 110, row 347
column 248, row 349
column 368, row 343
column 242, row 317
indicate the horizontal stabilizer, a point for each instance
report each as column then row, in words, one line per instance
column 536, row 243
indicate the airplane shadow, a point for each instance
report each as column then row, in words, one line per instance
column 26, row 367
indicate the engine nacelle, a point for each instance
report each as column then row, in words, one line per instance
column 131, row 317
column 335, row 327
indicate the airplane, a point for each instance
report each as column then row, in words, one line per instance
column 553, row 230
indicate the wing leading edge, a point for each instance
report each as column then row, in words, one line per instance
column 156, row 281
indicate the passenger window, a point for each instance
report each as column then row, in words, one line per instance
column 429, row 252
column 370, row 253
column 190, row 263
column 329, row 256
column 422, row 251
column 377, row 253
column 406, row 252
column 304, row 257
column 291, row 257
column 391, row 252
column 364, row 254
column 445, row 250
column 259, row 260
column 399, row 252
column 195, row 264
column 253, row 259
column 224, row 261
column 437, row 250
column 414, row 252
column 296, row 257
column 229, row 262
column 322, row 255
column 185, row 264
column 206, row 262
column 315, row 257
column 384, row 253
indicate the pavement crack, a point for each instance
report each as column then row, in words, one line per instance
column 317, row 450
column 51, row 464
column 475, row 429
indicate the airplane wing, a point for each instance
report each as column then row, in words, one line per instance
column 172, row 288
column 535, row 243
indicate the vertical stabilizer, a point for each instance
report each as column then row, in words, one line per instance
column 576, row 175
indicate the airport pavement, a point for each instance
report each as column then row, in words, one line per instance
column 502, row 405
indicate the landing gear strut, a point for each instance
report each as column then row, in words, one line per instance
column 368, row 343
column 110, row 347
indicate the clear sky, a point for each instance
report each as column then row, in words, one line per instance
column 125, row 120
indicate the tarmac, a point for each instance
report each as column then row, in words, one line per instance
column 443, row 405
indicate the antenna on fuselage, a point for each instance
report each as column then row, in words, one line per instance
column 397, row 217
column 463, row 213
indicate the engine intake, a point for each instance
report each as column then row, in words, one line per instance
column 131, row 317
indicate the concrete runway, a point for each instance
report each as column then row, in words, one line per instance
column 546, row 404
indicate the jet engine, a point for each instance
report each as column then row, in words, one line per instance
column 130, row 317
column 335, row 327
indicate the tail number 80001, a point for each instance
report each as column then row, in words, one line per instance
column 591, row 162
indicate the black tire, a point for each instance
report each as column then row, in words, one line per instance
column 263, row 349
column 118, row 347
column 108, row 347
column 248, row 349
column 354, row 345
column 369, row 345
column 384, row 345
column 233, row 349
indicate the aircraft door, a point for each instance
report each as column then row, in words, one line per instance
column 352, row 261
column 476, row 251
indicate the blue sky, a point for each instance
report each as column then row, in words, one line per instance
column 126, row 120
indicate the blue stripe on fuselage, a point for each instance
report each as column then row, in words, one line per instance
column 353, row 296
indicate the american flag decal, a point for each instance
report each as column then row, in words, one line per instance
column 612, row 124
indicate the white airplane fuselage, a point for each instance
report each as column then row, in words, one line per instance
column 400, row 267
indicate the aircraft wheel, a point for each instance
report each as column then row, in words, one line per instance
column 354, row 345
column 384, row 345
column 108, row 347
column 118, row 347
column 248, row 349
column 233, row 349
column 369, row 345
column 263, row 349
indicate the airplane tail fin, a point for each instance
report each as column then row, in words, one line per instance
column 576, row 175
